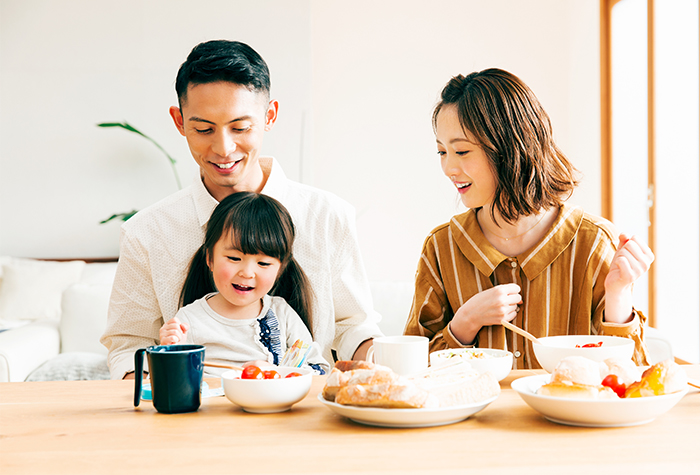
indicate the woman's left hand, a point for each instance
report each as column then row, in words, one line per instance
column 632, row 259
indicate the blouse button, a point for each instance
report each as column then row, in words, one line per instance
column 513, row 264
column 517, row 354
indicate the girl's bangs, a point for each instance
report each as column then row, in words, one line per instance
column 256, row 233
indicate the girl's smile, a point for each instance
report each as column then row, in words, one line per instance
column 241, row 279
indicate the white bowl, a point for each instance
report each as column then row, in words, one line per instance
column 554, row 348
column 263, row 396
column 594, row 413
column 498, row 362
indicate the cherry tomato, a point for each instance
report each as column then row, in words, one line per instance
column 612, row 382
column 591, row 345
column 271, row 374
column 252, row 372
column 292, row 375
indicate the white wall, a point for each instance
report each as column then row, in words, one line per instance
column 356, row 81
column 65, row 66
column 377, row 73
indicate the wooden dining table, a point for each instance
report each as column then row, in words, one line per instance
column 92, row 427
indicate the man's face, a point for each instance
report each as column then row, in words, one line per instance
column 224, row 124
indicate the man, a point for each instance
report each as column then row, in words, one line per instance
column 224, row 111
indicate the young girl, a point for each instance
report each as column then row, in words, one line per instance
column 245, row 297
column 519, row 254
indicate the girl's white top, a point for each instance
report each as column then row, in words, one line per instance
column 265, row 337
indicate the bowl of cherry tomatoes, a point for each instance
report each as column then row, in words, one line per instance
column 552, row 349
column 267, row 389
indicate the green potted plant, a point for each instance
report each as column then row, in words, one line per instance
column 171, row 160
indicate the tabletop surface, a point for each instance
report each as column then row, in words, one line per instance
column 91, row 427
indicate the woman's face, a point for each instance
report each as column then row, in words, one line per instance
column 463, row 161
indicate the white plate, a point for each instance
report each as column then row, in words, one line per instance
column 380, row 417
column 593, row 413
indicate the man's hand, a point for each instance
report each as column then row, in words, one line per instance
column 361, row 351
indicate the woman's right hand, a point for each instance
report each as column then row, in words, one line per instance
column 173, row 332
column 489, row 307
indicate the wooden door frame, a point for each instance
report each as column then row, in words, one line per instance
column 606, row 169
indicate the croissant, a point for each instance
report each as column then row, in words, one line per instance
column 338, row 379
column 387, row 395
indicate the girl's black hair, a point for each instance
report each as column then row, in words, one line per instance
column 255, row 224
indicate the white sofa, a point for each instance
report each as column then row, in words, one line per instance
column 61, row 340
column 68, row 347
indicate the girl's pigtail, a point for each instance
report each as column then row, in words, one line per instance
column 198, row 282
column 293, row 285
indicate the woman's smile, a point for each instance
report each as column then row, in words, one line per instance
column 463, row 161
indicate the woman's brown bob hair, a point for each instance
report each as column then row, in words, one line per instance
column 502, row 114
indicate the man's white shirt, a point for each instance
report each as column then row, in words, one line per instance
column 157, row 245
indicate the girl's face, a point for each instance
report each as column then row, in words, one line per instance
column 463, row 161
column 242, row 279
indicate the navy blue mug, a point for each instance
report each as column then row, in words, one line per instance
column 176, row 377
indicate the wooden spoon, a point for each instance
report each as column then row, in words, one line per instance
column 520, row 331
column 219, row 365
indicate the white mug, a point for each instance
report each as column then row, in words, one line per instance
column 405, row 354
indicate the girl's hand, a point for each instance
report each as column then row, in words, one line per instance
column 489, row 307
column 173, row 332
column 632, row 260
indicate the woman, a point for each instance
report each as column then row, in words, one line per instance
column 519, row 254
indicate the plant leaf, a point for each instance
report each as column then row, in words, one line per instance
column 125, row 125
column 122, row 216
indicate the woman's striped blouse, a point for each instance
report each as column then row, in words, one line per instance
column 561, row 281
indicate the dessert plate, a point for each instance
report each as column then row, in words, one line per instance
column 406, row 418
column 593, row 413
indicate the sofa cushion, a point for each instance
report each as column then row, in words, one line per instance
column 75, row 366
column 23, row 349
column 84, row 317
column 31, row 290
column 99, row 273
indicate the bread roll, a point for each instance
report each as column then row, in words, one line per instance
column 576, row 391
column 401, row 394
column 338, row 379
column 665, row 377
column 624, row 368
column 349, row 365
column 577, row 369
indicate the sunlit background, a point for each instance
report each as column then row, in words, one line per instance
column 356, row 82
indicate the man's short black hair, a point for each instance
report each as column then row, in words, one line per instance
column 222, row 60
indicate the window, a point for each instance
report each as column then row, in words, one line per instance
column 651, row 153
